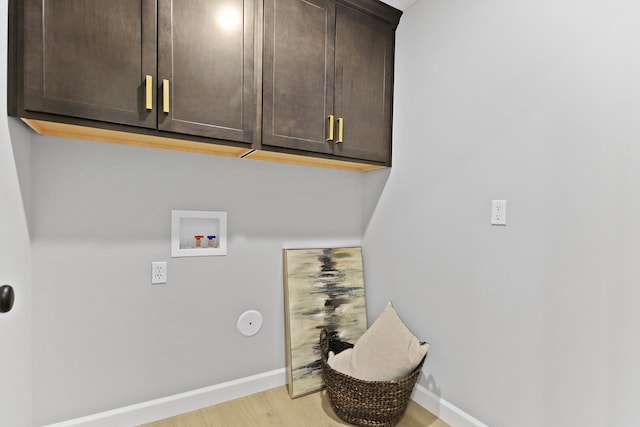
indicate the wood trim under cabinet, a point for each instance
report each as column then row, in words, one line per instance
column 293, row 159
column 117, row 137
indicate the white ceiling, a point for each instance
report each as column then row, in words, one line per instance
column 399, row 4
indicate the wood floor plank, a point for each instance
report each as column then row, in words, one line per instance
column 274, row 408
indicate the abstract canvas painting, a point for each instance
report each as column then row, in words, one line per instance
column 323, row 288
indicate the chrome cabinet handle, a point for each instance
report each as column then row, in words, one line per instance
column 7, row 298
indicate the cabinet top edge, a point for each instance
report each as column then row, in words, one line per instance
column 382, row 11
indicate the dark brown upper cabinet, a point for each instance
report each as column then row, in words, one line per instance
column 308, row 82
column 182, row 67
column 90, row 59
column 206, row 68
column 328, row 78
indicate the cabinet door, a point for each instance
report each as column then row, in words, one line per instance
column 364, row 85
column 90, row 59
column 298, row 73
column 206, row 55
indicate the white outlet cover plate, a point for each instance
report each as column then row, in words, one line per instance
column 250, row 323
column 499, row 212
column 159, row 267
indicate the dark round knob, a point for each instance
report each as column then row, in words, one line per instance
column 6, row 298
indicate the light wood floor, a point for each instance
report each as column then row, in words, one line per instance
column 275, row 408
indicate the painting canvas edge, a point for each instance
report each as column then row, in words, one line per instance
column 287, row 324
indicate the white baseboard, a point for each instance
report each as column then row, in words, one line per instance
column 192, row 400
column 180, row 403
column 444, row 410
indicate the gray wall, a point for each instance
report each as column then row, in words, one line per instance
column 15, row 259
column 15, row 270
column 104, row 337
column 538, row 103
column 531, row 324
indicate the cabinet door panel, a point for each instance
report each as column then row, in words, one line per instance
column 206, row 52
column 298, row 73
column 89, row 58
column 364, row 85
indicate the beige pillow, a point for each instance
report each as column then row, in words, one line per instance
column 387, row 351
column 341, row 362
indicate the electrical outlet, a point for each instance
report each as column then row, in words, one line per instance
column 158, row 272
column 499, row 212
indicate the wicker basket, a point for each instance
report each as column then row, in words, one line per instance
column 364, row 403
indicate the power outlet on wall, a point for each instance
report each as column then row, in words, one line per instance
column 499, row 212
column 158, row 272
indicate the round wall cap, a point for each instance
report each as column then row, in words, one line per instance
column 250, row 323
